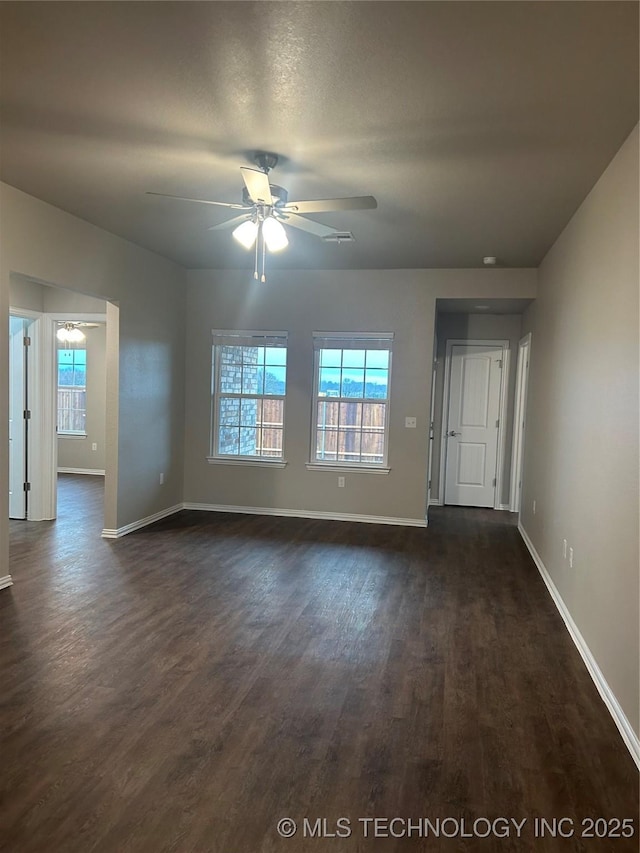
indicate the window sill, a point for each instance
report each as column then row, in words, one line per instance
column 251, row 463
column 72, row 435
column 352, row 469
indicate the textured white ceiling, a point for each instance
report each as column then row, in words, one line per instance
column 478, row 126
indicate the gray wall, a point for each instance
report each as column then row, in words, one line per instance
column 76, row 451
column 479, row 327
column 46, row 244
column 47, row 299
column 399, row 301
column 26, row 294
column 581, row 445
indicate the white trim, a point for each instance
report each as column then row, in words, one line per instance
column 72, row 435
column 43, row 441
column 247, row 333
column 95, row 471
column 258, row 462
column 5, row 581
column 110, row 533
column 24, row 313
column 519, row 415
column 351, row 336
column 631, row 739
column 42, row 446
column 435, row 502
column 503, row 507
column 432, row 409
column 387, row 336
column 501, row 437
column 352, row 469
column 307, row 513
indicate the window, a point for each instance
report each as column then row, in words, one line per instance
column 72, row 391
column 351, row 399
column 249, row 384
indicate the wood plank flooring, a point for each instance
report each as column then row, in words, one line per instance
column 188, row 686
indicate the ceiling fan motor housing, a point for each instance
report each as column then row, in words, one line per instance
column 279, row 195
column 266, row 161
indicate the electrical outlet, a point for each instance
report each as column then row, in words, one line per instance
column 94, row 446
column 161, row 478
column 411, row 423
column 534, row 507
column 341, row 482
column 564, row 549
column 570, row 558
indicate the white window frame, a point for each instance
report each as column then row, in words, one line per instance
column 350, row 340
column 71, row 433
column 243, row 338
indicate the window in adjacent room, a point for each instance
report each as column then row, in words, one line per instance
column 351, row 399
column 72, row 391
column 249, row 384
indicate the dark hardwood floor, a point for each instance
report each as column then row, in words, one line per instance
column 188, row 686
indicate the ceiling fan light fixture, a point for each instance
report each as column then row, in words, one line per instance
column 274, row 234
column 69, row 334
column 246, row 233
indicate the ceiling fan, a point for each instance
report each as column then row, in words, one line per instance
column 266, row 209
column 70, row 333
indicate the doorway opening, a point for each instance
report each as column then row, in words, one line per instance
column 87, row 447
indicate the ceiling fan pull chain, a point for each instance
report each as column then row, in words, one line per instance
column 255, row 271
column 264, row 251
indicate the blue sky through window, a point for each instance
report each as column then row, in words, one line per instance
column 354, row 373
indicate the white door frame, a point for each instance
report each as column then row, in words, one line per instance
column 434, row 367
column 42, row 445
column 504, row 346
column 43, row 497
column 519, row 418
column 18, row 403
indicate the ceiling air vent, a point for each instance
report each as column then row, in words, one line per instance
column 340, row 237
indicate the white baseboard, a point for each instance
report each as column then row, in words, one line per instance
column 5, row 581
column 116, row 533
column 308, row 513
column 98, row 471
column 504, row 507
column 631, row 739
column 111, row 533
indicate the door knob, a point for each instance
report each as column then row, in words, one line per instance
column 453, row 432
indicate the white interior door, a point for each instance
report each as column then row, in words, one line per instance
column 17, row 422
column 475, row 381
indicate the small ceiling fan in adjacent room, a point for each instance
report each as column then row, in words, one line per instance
column 266, row 209
column 71, row 333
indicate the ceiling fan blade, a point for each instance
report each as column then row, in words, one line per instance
column 316, row 228
column 229, row 223
column 257, row 184
column 204, row 201
column 326, row 205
